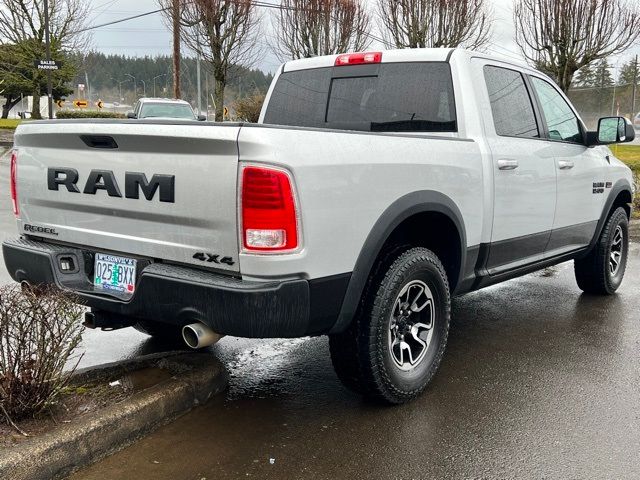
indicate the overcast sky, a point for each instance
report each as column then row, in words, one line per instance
column 149, row 35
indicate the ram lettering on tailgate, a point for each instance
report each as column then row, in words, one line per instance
column 106, row 180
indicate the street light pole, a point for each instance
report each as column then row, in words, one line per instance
column 199, row 84
column 154, row 82
column 135, row 84
column 48, row 48
column 120, row 82
column 144, row 87
column 635, row 88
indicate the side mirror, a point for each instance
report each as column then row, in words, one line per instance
column 202, row 118
column 615, row 130
column 131, row 115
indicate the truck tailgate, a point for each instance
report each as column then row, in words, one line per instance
column 190, row 216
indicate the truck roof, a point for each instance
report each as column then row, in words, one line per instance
column 401, row 55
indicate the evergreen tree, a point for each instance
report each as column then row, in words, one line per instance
column 585, row 77
column 20, row 78
column 629, row 72
column 603, row 77
column 108, row 77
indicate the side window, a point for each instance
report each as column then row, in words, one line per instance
column 562, row 123
column 513, row 114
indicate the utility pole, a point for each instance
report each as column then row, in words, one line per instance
column 48, row 48
column 604, row 72
column 176, row 48
column 199, row 84
column 206, row 87
column 86, row 80
column 635, row 88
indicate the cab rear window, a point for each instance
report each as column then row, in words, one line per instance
column 392, row 97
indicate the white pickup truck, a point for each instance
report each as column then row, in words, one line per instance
column 375, row 186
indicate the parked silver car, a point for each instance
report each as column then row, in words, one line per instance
column 164, row 108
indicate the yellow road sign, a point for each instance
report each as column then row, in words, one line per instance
column 100, row 104
column 226, row 112
column 80, row 103
column 60, row 103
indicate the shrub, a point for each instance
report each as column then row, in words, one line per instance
column 248, row 108
column 39, row 331
column 88, row 114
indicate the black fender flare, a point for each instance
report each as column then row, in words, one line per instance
column 619, row 187
column 423, row 201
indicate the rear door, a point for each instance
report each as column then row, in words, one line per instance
column 524, row 171
column 580, row 170
column 156, row 190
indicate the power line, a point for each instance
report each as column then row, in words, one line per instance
column 256, row 3
column 146, row 14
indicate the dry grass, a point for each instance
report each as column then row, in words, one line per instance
column 630, row 154
column 9, row 123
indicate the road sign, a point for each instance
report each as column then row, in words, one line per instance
column 60, row 103
column 100, row 104
column 226, row 112
column 47, row 64
column 80, row 103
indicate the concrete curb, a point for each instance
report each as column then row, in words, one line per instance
column 57, row 454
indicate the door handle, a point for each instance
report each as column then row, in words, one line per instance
column 565, row 164
column 507, row 164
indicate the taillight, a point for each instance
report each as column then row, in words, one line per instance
column 269, row 219
column 358, row 58
column 14, row 184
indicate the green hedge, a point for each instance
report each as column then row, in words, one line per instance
column 88, row 114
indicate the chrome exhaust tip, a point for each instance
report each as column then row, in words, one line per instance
column 198, row 335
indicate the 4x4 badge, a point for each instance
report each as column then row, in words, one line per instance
column 212, row 258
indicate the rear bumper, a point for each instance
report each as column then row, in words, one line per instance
column 178, row 295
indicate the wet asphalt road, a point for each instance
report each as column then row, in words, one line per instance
column 539, row 381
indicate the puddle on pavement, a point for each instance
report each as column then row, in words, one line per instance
column 145, row 378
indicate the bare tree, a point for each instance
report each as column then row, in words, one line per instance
column 562, row 36
column 22, row 24
column 307, row 28
column 224, row 33
column 435, row 23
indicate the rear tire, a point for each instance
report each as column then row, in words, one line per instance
column 395, row 344
column 602, row 270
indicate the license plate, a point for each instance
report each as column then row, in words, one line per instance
column 113, row 273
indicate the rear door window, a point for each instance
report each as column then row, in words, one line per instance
column 394, row 97
column 511, row 105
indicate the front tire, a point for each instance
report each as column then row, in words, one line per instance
column 602, row 270
column 395, row 344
